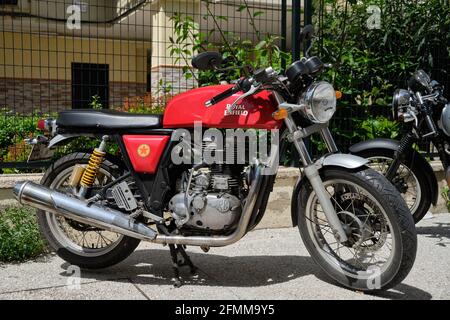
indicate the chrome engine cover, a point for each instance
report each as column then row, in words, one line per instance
column 208, row 211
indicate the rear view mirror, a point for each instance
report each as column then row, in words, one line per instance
column 207, row 61
column 307, row 33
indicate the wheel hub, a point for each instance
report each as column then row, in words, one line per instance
column 400, row 184
column 353, row 228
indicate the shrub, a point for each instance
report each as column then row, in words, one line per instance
column 369, row 64
column 239, row 55
column 14, row 128
column 20, row 239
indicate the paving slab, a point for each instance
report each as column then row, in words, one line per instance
column 111, row 290
column 266, row 264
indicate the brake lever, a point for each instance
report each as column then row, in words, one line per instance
column 250, row 92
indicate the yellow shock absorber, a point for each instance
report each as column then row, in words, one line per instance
column 90, row 174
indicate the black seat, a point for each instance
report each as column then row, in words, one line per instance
column 106, row 120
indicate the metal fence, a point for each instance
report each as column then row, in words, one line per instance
column 121, row 54
column 130, row 55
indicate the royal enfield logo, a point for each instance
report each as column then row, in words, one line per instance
column 351, row 196
column 143, row 150
column 238, row 110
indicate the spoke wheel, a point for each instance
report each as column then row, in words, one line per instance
column 381, row 238
column 405, row 180
column 80, row 238
column 364, row 221
column 80, row 244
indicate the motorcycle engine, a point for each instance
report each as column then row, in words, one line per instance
column 213, row 201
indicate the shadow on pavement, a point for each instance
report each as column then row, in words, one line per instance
column 153, row 267
column 404, row 292
column 439, row 231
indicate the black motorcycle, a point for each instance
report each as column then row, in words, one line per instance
column 426, row 113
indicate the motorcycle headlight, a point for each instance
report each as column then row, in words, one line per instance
column 320, row 102
column 402, row 98
column 400, row 104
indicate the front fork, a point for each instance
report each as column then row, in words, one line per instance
column 312, row 173
column 405, row 144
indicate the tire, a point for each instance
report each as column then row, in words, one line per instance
column 85, row 258
column 399, row 224
column 421, row 208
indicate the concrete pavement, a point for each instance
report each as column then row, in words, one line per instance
column 266, row 264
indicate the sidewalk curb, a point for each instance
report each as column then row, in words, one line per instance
column 278, row 213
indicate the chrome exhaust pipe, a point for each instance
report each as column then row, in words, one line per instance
column 40, row 197
column 221, row 241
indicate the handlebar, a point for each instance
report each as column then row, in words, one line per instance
column 222, row 96
column 248, row 85
column 243, row 84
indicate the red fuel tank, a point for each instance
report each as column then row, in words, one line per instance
column 252, row 112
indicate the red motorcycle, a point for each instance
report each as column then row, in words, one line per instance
column 95, row 208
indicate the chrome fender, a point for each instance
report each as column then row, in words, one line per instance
column 347, row 161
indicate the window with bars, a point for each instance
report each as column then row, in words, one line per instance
column 13, row 2
column 88, row 81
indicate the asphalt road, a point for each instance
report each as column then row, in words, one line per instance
column 266, row 264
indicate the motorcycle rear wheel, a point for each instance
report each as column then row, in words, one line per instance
column 376, row 220
column 97, row 248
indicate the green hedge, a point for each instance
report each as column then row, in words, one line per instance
column 369, row 64
column 20, row 239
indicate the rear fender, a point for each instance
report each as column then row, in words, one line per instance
column 62, row 139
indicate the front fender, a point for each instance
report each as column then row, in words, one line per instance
column 412, row 156
column 347, row 161
column 374, row 144
column 342, row 160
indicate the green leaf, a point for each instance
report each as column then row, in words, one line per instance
column 257, row 14
column 241, row 8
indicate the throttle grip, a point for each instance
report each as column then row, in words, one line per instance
column 222, row 96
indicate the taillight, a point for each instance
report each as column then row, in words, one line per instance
column 47, row 125
column 42, row 124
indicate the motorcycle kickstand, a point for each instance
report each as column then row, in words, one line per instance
column 174, row 251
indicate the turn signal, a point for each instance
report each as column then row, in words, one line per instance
column 338, row 94
column 280, row 114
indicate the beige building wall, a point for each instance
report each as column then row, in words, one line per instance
column 50, row 57
column 166, row 67
column 36, row 71
column 36, row 55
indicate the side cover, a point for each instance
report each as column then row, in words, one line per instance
column 145, row 151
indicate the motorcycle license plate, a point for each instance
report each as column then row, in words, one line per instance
column 40, row 152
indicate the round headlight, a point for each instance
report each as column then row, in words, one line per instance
column 320, row 102
column 402, row 98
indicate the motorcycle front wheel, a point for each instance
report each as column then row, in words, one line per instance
column 382, row 239
column 410, row 180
